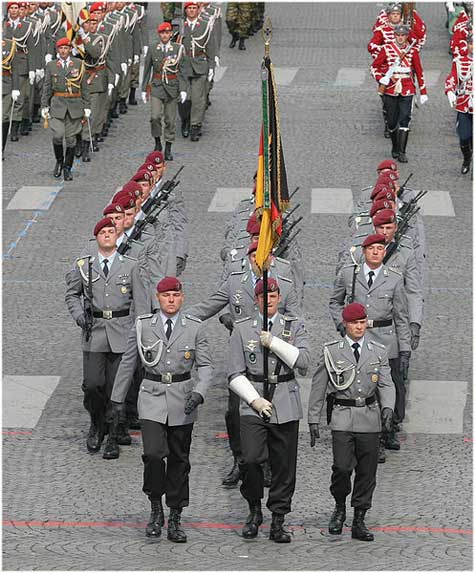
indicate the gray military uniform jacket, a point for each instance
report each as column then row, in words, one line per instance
column 371, row 375
column 246, row 356
column 385, row 300
column 187, row 348
column 112, row 293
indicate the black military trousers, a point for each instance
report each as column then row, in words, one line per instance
column 233, row 426
column 464, row 127
column 162, row 441
column 400, row 407
column 261, row 441
column 133, row 394
column 358, row 452
column 398, row 110
column 99, row 370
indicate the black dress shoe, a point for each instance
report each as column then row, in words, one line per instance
column 195, row 133
column 358, row 527
column 122, row 106
column 234, row 475
column 277, row 531
column 111, row 450
column 253, row 521
column 94, row 439
column 123, row 437
column 335, row 527
column 98, row 138
column 85, row 151
column 156, row 521
column 175, row 532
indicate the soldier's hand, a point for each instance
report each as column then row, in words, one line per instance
column 452, row 98
column 210, row 75
column 216, row 61
column 123, row 67
column 81, row 321
column 116, row 79
column 424, row 99
column 180, row 265
column 145, row 51
column 48, row 58
column 110, row 87
column 266, row 338
column 15, row 94
column 183, row 96
column 193, row 402
column 32, row 76
column 415, row 334
column 387, row 419
column 227, row 321
column 263, row 407
column 144, row 97
column 341, row 329
column 87, row 112
column 39, row 75
column 136, row 59
column 404, row 357
column 314, row 433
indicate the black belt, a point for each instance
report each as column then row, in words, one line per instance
column 108, row 314
column 359, row 402
column 272, row 378
column 168, row 377
column 379, row 323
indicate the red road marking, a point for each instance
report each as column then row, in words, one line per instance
column 221, row 435
column 136, row 433
column 15, row 433
column 465, row 439
column 213, row 525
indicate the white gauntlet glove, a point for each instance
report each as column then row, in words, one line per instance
column 210, row 75
column 285, row 351
column 145, row 50
column 262, row 406
column 452, row 98
column 15, row 94
column 136, row 59
column 48, row 58
column 31, row 76
column 424, row 99
column 144, row 97
column 87, row 112
column 116, row 80
column 45, row 112
column 123, row 67
column 110, row 87
column 183, row 96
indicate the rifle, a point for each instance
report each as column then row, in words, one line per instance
column 284, row 245
column 402, row 228
column 356, row 268
column 287, row 215
column 407, row 13
column 88, row 301
column 293, row 193
column 407, row 207
column 402, row 187
column 139, row 227
column 389, row 74
column 163, row 193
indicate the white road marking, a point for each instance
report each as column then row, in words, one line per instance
column 34, row 198
column 437, row 204
column 285, row 76
column 350, row 77
column 226, row 198
column 326, row 200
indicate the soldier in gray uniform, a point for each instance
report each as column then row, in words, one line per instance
column 356, row 374
column 114, row 283
column 381, row 290
column 269, row 425
column 169, row 345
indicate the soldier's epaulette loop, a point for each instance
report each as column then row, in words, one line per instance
column 394, row 271
column 290, row 318
column 361, row 235
column 242, row 320
column 122, row 257
column 143, row 316
column 237, row 273
column 286, row 279
column 194, row 318
column 331, row 342
column 281, row 260
column 378, row 344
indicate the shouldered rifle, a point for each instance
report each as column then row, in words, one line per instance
column 407, row 207
column 401, row 229
column 392, row 69
column 356, row 268
column 284, row 245
column 163, row 193
column 288, row 215
column 402, row 188
column 293, row 193
column 139, row 226
column 88, row 301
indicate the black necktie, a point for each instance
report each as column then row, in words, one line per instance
column 370, row 278
column 355, row 347
column 105, row 268
column 169, row 324
column 270, row 325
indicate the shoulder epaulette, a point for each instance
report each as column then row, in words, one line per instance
column 290, row 318
column 286, row 279
column 194, row 318
column 394, row 271
column 237, row 273
column 332, row 342
column 282, row 260
column 242, row 320
column 142, row 316
column 378, row 344
column 122, row 257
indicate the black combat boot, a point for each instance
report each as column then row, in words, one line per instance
column 133, row 422
column 113, row 112
column 395, row 142
column 105, row 130
column 5, row 126
column 195, row 130
column 59, row 155
column 392, row 441
column 95, row 147
column 14, row 132
column 234, row 41
column 466, row 148
column 242, row 45
column 267, row 473
column 85, row 151
column 157, row 519
column 111, row 449
column 233, row 476
column 24, row 127
column 254, row 519
column 132, row 100
column 358, row 527
column 168, row 151
column 36, row 116
column 175, row 531
column 158, row 144
column 382, row 449
column 403, row 135
column 337, row 520
column 98, row 138
column 68, row 164
column 277, row 531
column 95, row 435
column 122, row 105
column 78, row 148
column 123, row 436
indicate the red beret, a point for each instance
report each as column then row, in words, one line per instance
column 387, row 164
column 190, row 4
column 169, row 283
column 97, row 6
column 133, row 187
column 253, row 225
column 106, row 222
column 125, row 200
column 252, row 247
column 164, row 27
column 272, row 286
column 63, row 42
column 387, row 176
column 10, row 4
column 373, row 239
column 353, row 311
column 142, row 175
column 113, row 208
column 149, row 166
column 154, row 157
column 23, row 4
column 384, row 217
column 379, row 206
column 378, row 188
column 389, row 195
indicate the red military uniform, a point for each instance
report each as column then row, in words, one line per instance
column 384, row 34
column 458, row 42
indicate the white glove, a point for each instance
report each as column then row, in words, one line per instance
column 424, row 99
column 45, row 112
column 48, row 58
column 244, row 389
column 266, row 338
column 216, row 61
column 87, row 112
column 32, row 76
column 82, row 33
column 451, row 97
column 110, row 87
column 210, row 75
column 145, row 50
column 129, row 61
column 183, row 96
column 144, row 97
column 117, row 78
column 123, row 67
column 450, row 6
column 136, row 59
column 262, row 406
column 284, row 350
column 39, row 75
column 15, row 94
column 384, row 81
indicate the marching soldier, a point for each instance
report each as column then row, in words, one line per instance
column 459, row 90
column 239, row 20
column 394, row 69
column 106, row 283
column 10, row 85
column 355, row 373
column 65, row 101
column 165, row 61
column 269, row 424
column 168, row 344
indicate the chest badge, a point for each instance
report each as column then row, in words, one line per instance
column 123, row 290
column 187, row 355
column 374, row 378
column 252, row 345
column 252, row 358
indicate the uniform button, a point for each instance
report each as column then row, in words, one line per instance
column 107, row 294
column 359, row 389
column 168, row 350
column 357, row 380
column 368, row 295
column 358, row 371
column 168, row 361
column 107, row 284
column 367, row 306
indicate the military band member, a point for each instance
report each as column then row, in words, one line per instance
column 168, row 344
column 354, row 376
column 395, row 69
column 65, row 101
column 113, row 281
column 164, row 62
column 277, row 438
column 459, row 90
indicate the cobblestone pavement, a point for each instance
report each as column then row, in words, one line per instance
column 64, row 509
